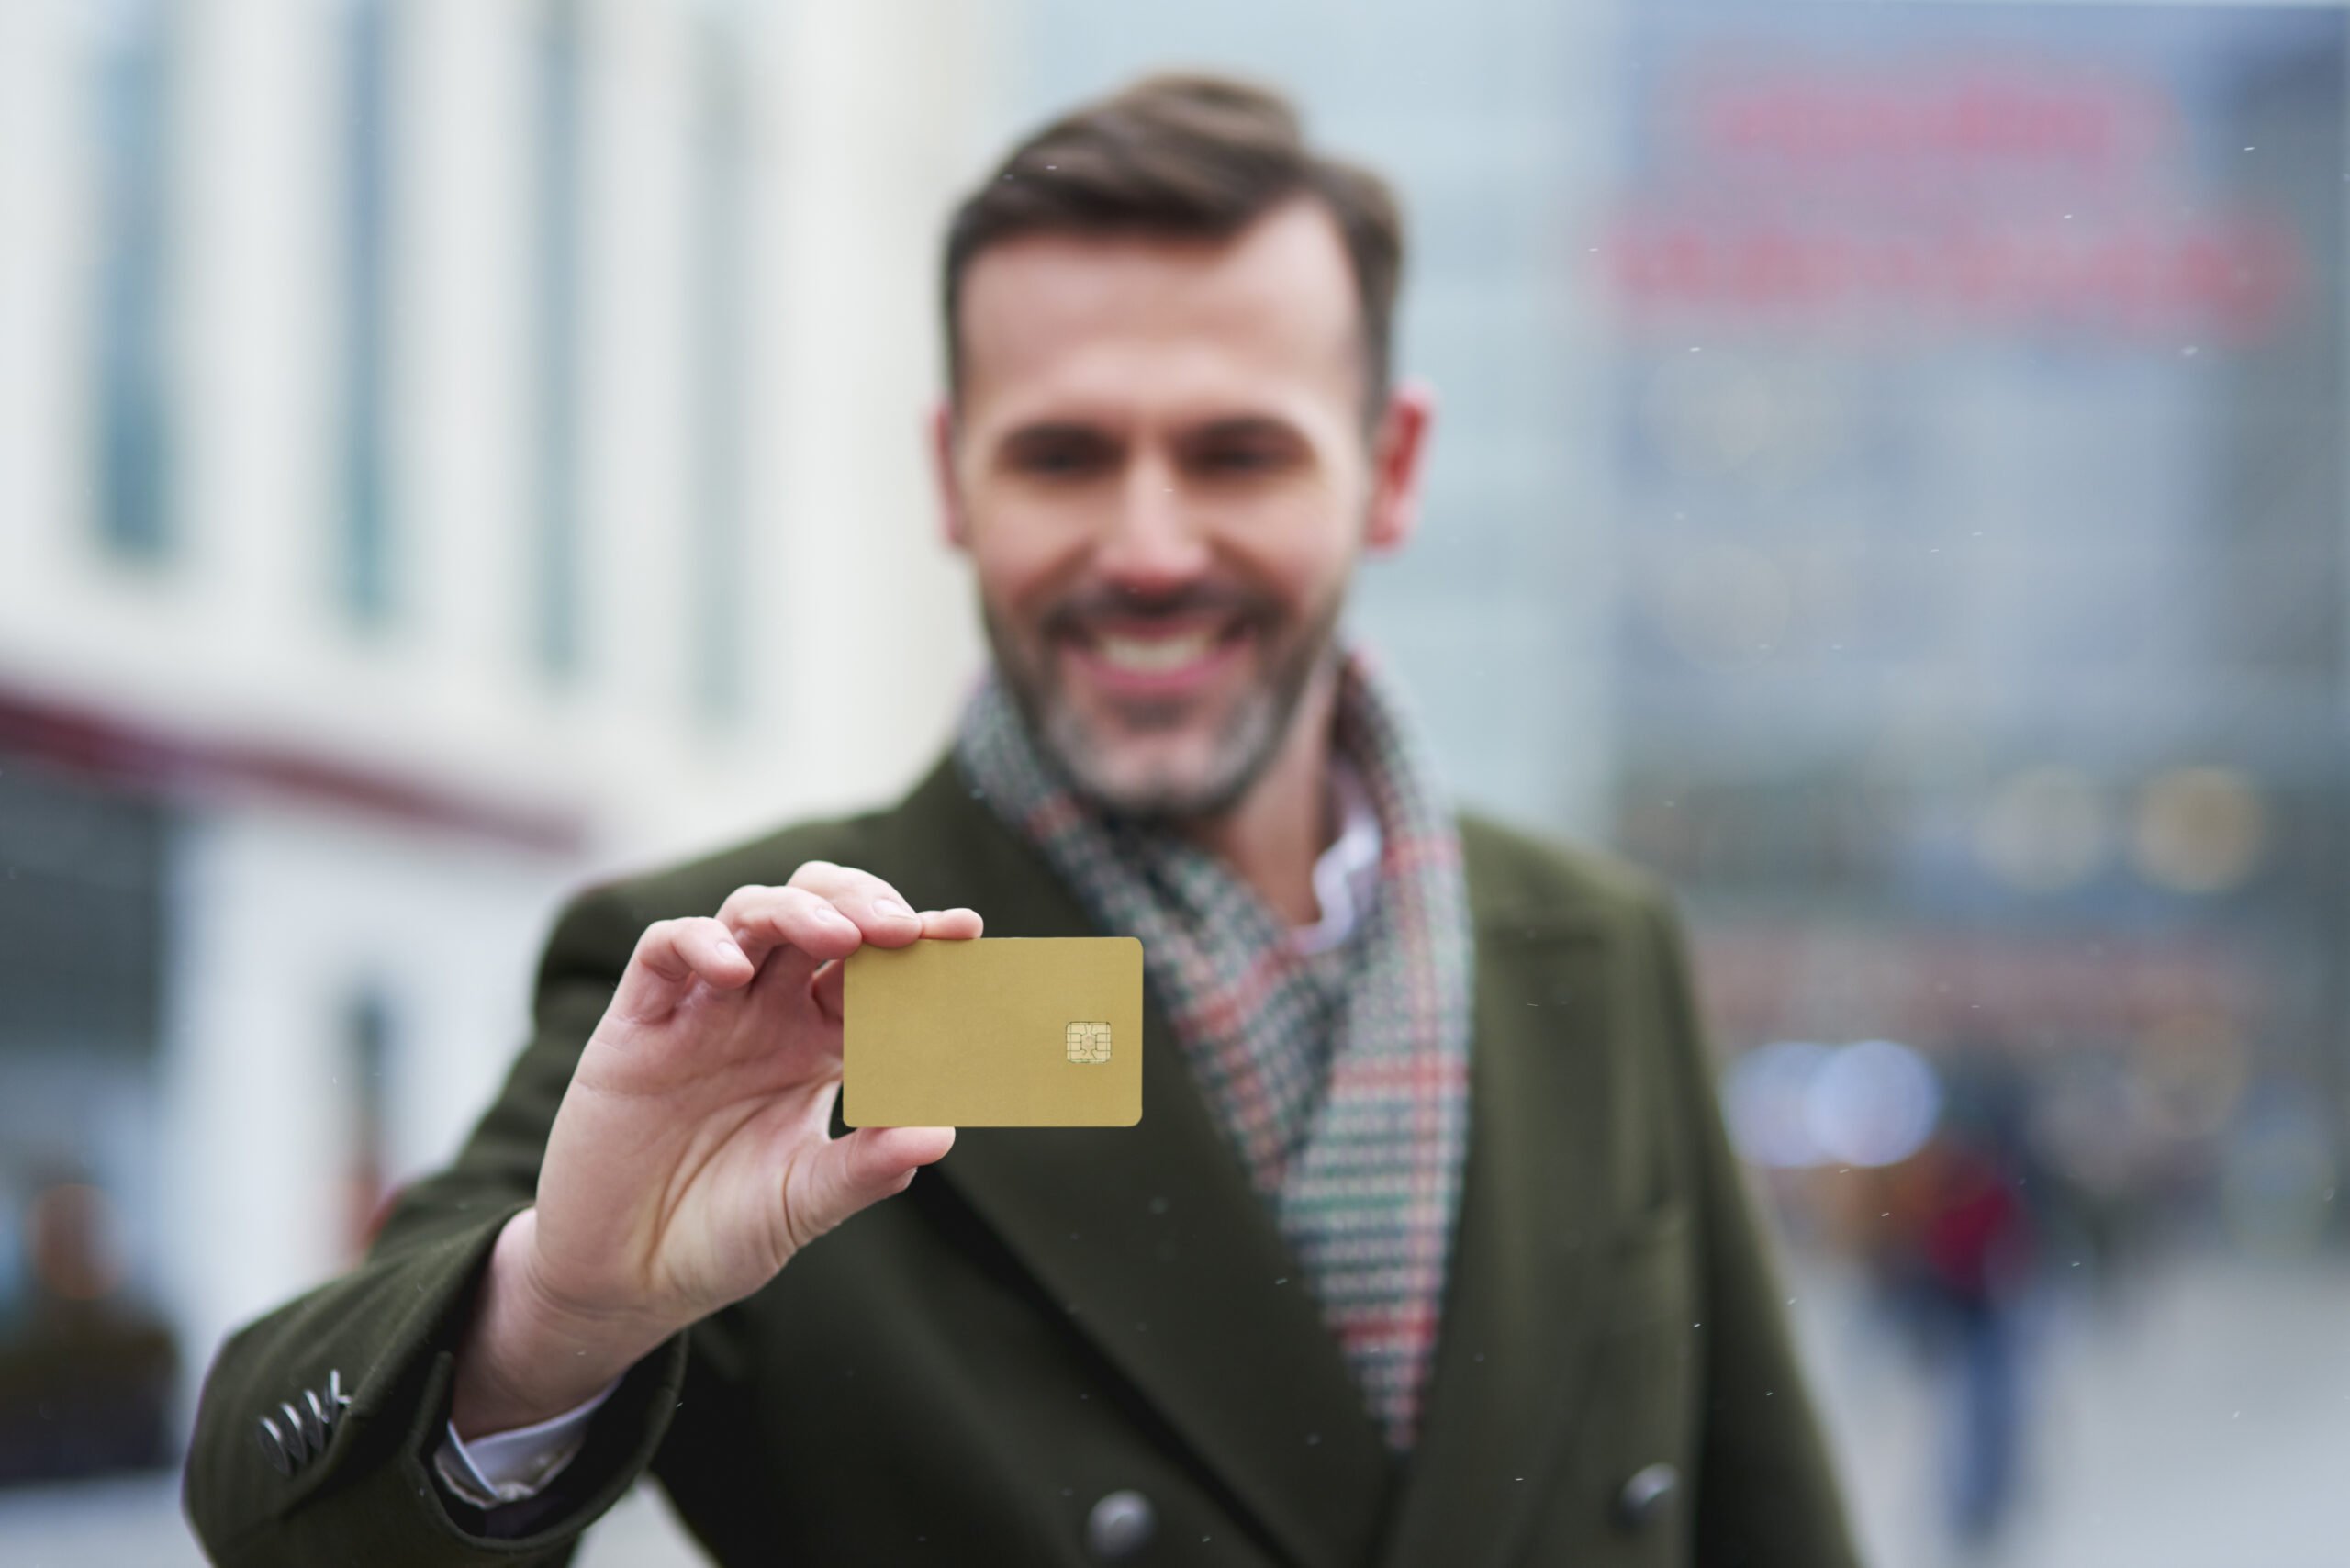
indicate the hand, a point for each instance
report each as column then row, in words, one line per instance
column 691, row 1156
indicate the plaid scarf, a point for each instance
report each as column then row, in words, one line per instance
column 1342, row 1077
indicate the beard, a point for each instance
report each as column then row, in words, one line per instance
column 1094, row 753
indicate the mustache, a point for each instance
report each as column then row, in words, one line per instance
column 1192, row 601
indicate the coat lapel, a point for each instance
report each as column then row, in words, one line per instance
column 1519, row 1322
column 1151, row 1239
column 1161, row 1255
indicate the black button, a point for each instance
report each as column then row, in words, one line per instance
column 273, row 1446
column 303, row 1437
column 1647, row 1496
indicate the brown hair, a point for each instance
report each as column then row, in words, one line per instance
column 1186, row 156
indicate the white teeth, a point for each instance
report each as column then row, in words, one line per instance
column 1155, row 656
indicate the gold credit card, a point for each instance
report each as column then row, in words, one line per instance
column 1002, row 1032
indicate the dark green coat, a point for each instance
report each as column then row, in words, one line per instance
column 957, row 1375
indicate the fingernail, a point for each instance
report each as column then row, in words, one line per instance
column 832, row 916
column 892, row 907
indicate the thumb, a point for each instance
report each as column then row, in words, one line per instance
column 861, row 1168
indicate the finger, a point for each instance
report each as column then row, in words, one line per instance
column 887, row 920
column 670, row 958
column 952, row 924
column 830, row 986
column 764, row 919
column 830, row 993
column 861, row 1168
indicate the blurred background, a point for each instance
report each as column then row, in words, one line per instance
column 1891, row 482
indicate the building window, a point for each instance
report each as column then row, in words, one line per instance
column 720, row 198
column 559, row 234
column 367, row 1034
column 133, row 424
column 364, row 561
column 87, row 1362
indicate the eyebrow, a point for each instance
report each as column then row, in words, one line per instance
column 1244, row 427
column 1053, row 430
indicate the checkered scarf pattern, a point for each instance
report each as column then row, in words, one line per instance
column 1341, row 1078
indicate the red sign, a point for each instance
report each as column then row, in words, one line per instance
column 1940, row 199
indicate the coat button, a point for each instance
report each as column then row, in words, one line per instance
column 1120, row 1525
column 1646, row 1495
column 306, row 1422
column 273, row 1447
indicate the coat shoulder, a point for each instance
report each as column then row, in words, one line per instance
column 1515, row 873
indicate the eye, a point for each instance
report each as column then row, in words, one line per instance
column 1242, row 454
column 1058, row 454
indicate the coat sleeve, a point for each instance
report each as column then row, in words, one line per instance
column 386, row 1334
column 1766, row 1495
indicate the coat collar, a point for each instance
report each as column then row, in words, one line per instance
column 1162, row 1256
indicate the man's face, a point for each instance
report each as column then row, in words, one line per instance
column 1159, row 466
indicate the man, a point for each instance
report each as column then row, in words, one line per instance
column 1427, row 1249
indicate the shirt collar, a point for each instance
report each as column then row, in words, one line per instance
column 1345, row 874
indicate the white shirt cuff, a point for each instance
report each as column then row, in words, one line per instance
column 506, row 1467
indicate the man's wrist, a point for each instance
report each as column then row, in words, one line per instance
column 526, row 1358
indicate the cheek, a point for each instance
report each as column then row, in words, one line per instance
column 1304, row 561
column 1011, row 594
column 1306, row 537
column 1019, row 564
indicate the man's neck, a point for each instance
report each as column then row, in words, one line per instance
column 1272, row 836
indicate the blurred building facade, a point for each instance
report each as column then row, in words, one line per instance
column 1981, row 667
column 446, row 450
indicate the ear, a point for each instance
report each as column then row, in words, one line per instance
column 1398, row 453
column 953, row 526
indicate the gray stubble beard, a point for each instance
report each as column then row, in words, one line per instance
column 1251, row 737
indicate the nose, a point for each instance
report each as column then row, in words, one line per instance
column 1154, row 543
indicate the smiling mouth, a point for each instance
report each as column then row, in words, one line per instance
column 1155, row 656
column 1173, row 654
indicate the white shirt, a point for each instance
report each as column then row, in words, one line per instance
column 507, row 1467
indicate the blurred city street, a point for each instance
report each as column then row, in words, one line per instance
column 2188, row 1426
column 1891, row 490
column 2185, row 1426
